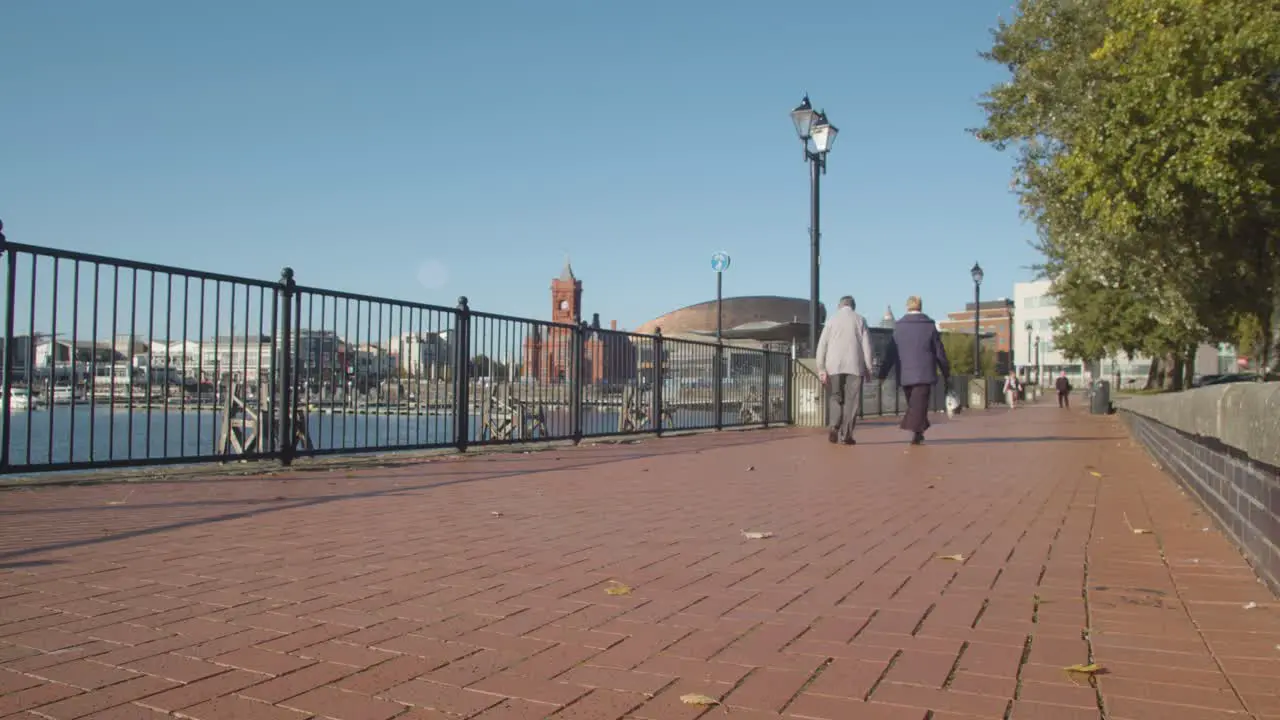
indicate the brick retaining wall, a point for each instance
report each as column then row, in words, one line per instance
column 1243, row 495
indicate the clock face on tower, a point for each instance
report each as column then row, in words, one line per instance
column 564, row 304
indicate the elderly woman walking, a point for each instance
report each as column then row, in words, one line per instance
column 917, row 356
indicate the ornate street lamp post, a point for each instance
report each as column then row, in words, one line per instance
column 817, row 135
column 976, row 273
column 1027, row 363
column 1038, row 344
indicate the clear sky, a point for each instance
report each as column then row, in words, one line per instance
column 422, row 150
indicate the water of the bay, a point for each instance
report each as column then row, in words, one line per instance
column 65, row 434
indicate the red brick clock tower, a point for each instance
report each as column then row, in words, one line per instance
column 607, row 356
column 566, row 297
column 549, row 357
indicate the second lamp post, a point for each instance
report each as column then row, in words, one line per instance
column 976, row 272
column 817, row 135
column 1026, row 363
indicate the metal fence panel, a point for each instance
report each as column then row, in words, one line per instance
column 369, row 374
column 111, row 362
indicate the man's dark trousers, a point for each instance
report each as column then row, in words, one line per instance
column 844, row 404
column 1064, row 399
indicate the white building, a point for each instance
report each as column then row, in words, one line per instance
column 423, row 355
column 1034, row 305
column 249, row 358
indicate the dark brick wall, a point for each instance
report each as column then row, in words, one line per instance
column 1242, row 495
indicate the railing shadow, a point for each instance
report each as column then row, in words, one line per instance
column 272, row 505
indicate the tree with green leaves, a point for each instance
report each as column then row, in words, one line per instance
column 959, row 349
column 1148, row 155
column 484, row 366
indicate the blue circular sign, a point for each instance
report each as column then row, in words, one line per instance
column 720, row 261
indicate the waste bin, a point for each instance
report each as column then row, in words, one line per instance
column 1100, row 398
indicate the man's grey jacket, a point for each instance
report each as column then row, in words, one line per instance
column 845, row 345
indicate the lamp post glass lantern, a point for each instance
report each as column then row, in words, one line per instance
column 976, row 273
column 817, row 135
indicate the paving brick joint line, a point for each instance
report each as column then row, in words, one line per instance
column 954, row 580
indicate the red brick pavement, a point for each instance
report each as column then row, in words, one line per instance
column 475, row 587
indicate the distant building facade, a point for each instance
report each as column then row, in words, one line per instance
column 995, row 327
column 995, row 323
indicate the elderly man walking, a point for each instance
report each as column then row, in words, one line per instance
column 844, row 362
column 917, row 355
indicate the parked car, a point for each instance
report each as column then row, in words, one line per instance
column 1232, row 378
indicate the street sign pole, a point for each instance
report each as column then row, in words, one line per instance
column 719, row 263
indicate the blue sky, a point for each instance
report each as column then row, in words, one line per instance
column 425, row 150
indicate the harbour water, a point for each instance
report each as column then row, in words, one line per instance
column 64, row 434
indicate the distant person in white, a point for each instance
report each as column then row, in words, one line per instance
column 1011, row 390
column 844, row 362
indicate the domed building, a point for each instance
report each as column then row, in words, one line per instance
column 888, row 322
column 754, row 320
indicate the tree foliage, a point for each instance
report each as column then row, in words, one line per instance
column 1147, row 138
column 484, row 366
column 959, row 349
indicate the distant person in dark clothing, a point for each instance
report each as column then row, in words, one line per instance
column 916, row 354
column 1063, row 386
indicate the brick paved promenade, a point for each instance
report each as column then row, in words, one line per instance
column 476, row 587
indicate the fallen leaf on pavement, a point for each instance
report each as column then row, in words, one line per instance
column 1136, row 531
column 756, row 535
column 1090, row 669
column 1095, row 473
column 698, row 699
column 957, row 557
column 617, row 588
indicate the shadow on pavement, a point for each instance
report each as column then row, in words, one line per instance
column 276, row 504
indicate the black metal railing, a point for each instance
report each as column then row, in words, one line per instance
column 810, row 397
column 110, row 362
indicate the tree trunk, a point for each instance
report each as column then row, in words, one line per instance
column 1153, row 374
column 1189, row 369
column 1270, row 356
column 1174, row 383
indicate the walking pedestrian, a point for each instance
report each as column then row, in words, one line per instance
column 1011, row 389
column 844, row 362
column 1063, row 386
column 916, row 354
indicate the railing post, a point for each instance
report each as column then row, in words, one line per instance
column 576, row 383
column 11, row 273
column 717, row 386
column 284, row 410
column 764, row 387
column 656, row 378
column 875, row 371
column 462, row 376
column 788, row 387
